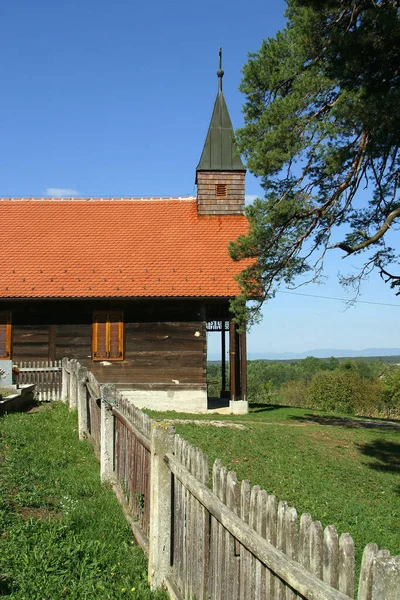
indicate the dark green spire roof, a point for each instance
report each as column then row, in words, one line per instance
column 220, row 152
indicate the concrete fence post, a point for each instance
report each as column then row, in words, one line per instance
column 108, row 396
column 73, row 384
column 386, row 578
column 82, row 402
column 64, row 381
column 162, row 442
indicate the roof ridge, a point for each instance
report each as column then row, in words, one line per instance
column 97, row 199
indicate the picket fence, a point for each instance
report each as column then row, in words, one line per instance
column 229, row 541
column 46, row 375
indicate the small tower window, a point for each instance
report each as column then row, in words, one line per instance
column 221, row 190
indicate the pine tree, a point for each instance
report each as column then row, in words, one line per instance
column 322, row 122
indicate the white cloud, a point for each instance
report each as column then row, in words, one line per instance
column 61, row 192
column 249, row 198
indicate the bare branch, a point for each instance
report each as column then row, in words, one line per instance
column 372, row 239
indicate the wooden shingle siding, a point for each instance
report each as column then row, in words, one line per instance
column 207, row 201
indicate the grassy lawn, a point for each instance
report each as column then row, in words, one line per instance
column 62, row 534
column 344, row 471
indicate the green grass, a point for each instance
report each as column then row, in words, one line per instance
column 62, row 534
column 340, row 469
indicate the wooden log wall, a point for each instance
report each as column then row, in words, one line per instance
column 30, row 342
column 165, row 343
column 154, row 352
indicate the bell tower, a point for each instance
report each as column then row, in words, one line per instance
column 220, row 173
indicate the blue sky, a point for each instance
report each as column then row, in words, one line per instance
column 114, row 99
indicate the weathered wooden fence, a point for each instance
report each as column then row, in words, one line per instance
column 46, row 375
column 229, row 541
column 132, row 461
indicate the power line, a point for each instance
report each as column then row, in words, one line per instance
column 341, row 299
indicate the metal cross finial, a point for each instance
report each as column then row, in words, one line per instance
column 220, row 72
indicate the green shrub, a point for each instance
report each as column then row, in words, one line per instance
column 294, row 393
column 343, row 390
column 390, row 381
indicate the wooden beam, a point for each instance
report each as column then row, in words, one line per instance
column 243, row 365
column 232, row 370
column 238, row 379
column 52, row 342
column 223, row 358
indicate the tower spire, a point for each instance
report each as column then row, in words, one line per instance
column 220, row 172
column 220, row 72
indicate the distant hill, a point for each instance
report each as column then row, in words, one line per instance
column 320, row 353
column 324, row 353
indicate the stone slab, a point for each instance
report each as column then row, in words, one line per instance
column 6, row 372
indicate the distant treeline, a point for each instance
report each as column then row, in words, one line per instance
column 354, row 386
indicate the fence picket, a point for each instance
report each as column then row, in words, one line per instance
column 304, row 543
column 316, row 549
column 254, row 566
column 331, row 557
column 280, row 587
column 190, row 527
column 346, row 565
column 261, row 528
column 233, row 502
column 271, row 538
column 177, row 548
column 245, row 492
column 222, row 535
column 292, row 542
column 366, row 573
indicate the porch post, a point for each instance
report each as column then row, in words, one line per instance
column 243, row 365
column 232, row 369
column 223, row 360
column 238, row 379
column 237, row 355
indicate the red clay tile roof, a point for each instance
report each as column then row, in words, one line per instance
column 80, row 248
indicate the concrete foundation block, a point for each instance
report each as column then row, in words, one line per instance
column 189, row 401
column 239, row 407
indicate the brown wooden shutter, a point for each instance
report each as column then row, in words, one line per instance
column 108, row 336
column 5, row 334
column 100, row 336
column 116, row 337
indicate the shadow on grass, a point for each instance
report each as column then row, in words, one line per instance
column 352, row 423
column 386, row 455
column 5, row 586
column 257, row 407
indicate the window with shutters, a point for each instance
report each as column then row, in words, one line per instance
column 108, row 336
column 5, row 334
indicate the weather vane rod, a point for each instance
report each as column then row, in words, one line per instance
column 220, row 72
